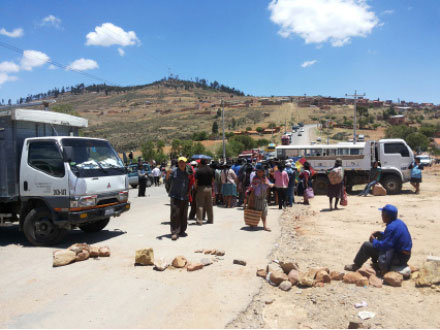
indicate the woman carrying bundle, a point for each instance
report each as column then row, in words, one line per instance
column 336, row 183
column 257, row 193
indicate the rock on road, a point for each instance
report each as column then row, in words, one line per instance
column 113, row 293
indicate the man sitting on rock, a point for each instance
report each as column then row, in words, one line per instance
column 391, row 248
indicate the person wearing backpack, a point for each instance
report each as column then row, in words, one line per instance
column 416, row 175
column 336, row 189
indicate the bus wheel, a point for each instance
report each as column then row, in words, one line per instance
column 320, row 185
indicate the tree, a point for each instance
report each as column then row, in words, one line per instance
column 271, row 125
column 148, row 150
column 219, row 113
column 399, row 131
column 417, row 140
column 233, row 123
column 259, row 129
column 427, row 130
column 262, row 142
column 248, row 128
column 214, row 128
column 159, row 146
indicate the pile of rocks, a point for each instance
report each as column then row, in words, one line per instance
column 287, row 274
column 428, row 275
column 78, row 252
column 145, row 257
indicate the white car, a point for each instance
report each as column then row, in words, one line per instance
column 425, row 160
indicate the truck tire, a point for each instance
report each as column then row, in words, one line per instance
column 320, row 185
column 39, row 228
column 94, row 227
column 134, row 186
column 392, row 183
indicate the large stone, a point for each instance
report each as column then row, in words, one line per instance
column 160, row 265
column 375, row 281
column 308, row 278
column 285, row 285
column 179, row 262
column 261, row 273
column 63, row 257
column 207, row 251
column 83, row 255
column 353, row 278
column 288, row 266
column 94, row 251
column 393, row 279
column 206, row 261
column 220, row 253
column 79, row 247
column 429, row 274
column 144, row 257
column 193, row 267
column 363, row 281
column 293, row 276
column 322, row 277
column 239, row 262
column 366, row 271
column 278, row 277
column 336, row 276
column 104, row 251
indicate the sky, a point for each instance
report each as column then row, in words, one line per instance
column 388, row 49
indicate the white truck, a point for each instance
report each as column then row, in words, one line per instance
column 357, row 159
column 51, row 180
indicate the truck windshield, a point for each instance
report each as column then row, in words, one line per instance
column 93, row 157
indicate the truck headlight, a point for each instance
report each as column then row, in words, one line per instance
column 123, row 196
column 83, row 201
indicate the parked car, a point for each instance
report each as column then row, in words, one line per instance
column 425, row 160
column 133, row 179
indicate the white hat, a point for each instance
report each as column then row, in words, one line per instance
column 194, row 163
column 288, row 164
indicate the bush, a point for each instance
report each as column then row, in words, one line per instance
column 417, row 141
column 259, row 129
column 399, row 131
column 200, row 136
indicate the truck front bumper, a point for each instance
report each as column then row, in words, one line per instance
column 91, row 215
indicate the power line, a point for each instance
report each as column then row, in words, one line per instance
column 57, row 64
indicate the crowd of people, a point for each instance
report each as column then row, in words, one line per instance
column 201, row 184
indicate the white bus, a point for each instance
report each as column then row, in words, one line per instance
column 357, row 159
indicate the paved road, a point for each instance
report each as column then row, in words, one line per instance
column 306, row 137
column 113, row 293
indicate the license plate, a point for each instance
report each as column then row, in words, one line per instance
column 109, row 212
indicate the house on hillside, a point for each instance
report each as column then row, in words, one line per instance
column 436, row 143
column 397, row 120
column 269, row 131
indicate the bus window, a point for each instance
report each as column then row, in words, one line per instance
column 316, row 152
column 355, row 151
column 331, row 152
column 343, row 151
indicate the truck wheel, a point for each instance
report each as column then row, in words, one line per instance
column 39, row 228
column 134, row 186
column 349, row 189
column 94, row 226
column 320, row 185
column 392, row 184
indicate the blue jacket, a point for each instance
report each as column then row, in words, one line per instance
column 396, row 236
column 291, row 173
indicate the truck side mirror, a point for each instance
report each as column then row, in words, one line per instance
column 68, row 154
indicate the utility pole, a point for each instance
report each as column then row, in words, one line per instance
column 223, row 128
column 356, row 96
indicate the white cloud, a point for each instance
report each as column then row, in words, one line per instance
column 4, row 77
column 52, row 67
column 319, row 21
column 109, row 34
column 51, row 20
column 7, row 66
column 121, row 51
column 83, row 64
column 33, row 58
column 16, row 33
column 306, row 64
column 388, row 12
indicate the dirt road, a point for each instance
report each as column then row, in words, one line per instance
column 113, row 293
column 315, row 237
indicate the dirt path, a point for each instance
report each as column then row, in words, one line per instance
column 315, row 237
column 112, row 293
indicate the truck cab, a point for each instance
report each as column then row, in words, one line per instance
column 51, row 183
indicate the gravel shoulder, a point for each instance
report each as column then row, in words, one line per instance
column 314, row 237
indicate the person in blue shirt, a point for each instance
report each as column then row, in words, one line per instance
column 416, row 175
column 389, row 248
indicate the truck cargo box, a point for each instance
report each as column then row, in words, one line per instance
column 19, row 124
